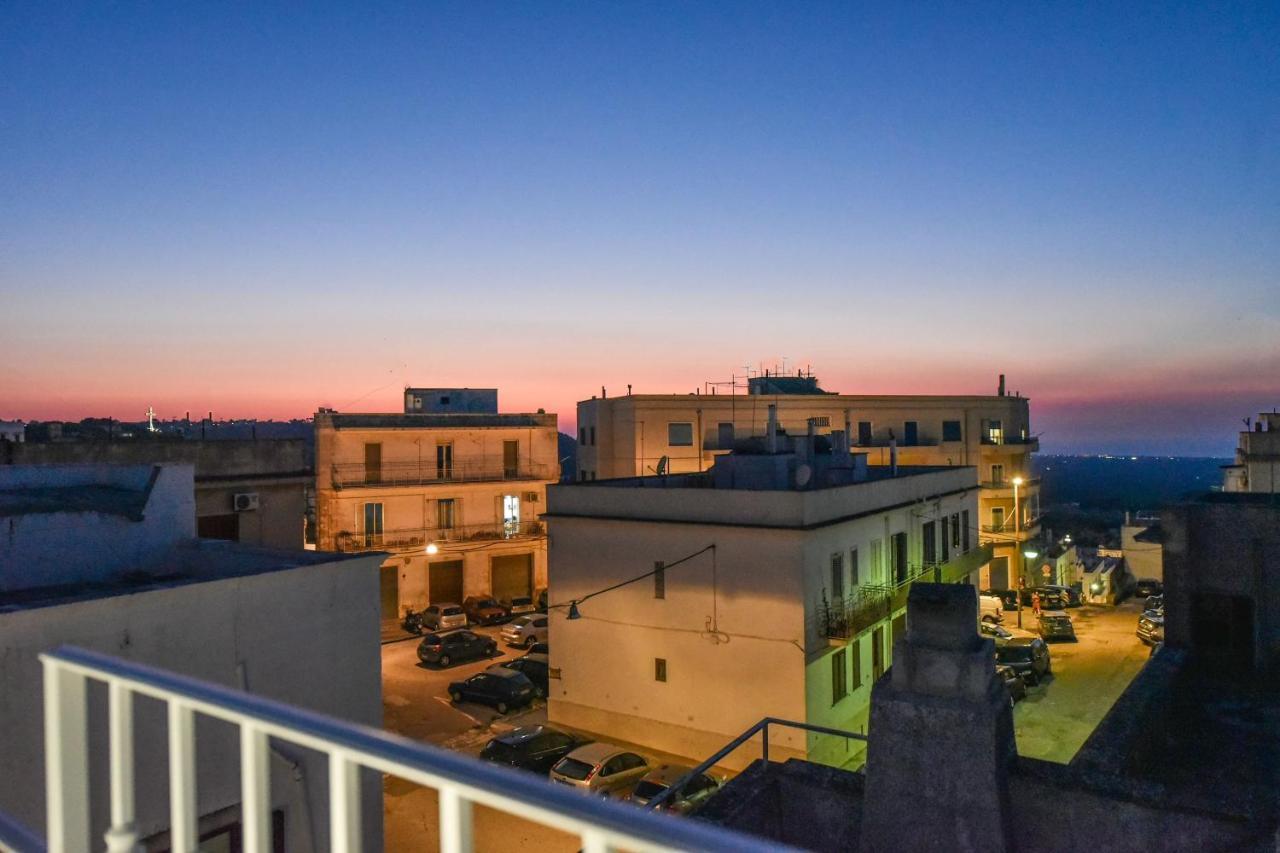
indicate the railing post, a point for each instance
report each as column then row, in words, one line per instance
column 255, row 789
column 66, row 758
column 456, row 825
column 764, row 742
column 122, row 836
column 344, row 804
column 595, row 842
column 184, row 817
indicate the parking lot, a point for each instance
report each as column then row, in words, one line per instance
column 1058, row 716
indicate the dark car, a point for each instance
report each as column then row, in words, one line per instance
column 540, row 649
column 482, row 610
column 446, row 649
column 1154, row 604
column 1151, row 628
column 1028, row 656
column 691, row 794
column 1013, row 683
column 1051, row 598
column 1148, row 587
column 1072, row 594
column 518, row 605
column 534, row 748
column 1056, row 625
column 534, row 667
column 497, row 687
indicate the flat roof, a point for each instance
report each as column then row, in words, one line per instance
column 90, row 497
column 191, row 561
column 434, row 420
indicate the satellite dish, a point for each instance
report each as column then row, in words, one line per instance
column 662, row 466
column 804, row 474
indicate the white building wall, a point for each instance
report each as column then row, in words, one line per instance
column 307, row 636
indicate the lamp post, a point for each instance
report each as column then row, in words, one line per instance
column 1029, row 554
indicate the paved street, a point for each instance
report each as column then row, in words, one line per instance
column 1057, row 717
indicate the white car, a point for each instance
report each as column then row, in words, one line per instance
column 990, row 610
column 524, row 631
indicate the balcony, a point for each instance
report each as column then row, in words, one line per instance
column 416, row 538
column 1029, row 443
column 358, row 475
column 461, row 782
column 1001, row 488
column 871, row 603
column 1011, row 531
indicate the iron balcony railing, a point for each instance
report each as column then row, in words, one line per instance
column 358, row 475
column 1031, row 522
column 420, row 537
column 1007, row 483
column 1027, row 440
column 461, row 782
column 871, row 603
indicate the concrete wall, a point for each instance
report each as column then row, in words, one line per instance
column 1143, row 559
column 307, row 636
column 37, row 551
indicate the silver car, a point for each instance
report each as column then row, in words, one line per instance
column 691, row 794
column 524, row 631
column 444, row 617
column 600, row 768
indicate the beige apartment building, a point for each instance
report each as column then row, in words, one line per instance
column 1257, row 465
column 639, row 434
column 452, row 498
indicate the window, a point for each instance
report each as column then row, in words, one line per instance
column 680, row 435
column 837, row 577
column 877, row 559
column 910, row 433
column 864, row 433
column 997, row 474
column 372, row 524
column 899, row 545
column 995, row 432
column 373, row 462
column 951, row 431
column 964, row 531
column 853, row 567
column 930, row 542
column 510, row 514
column 444, row 401
column 510, row 459
column 582, row 435
column 839, row 676
column 659, row 580
column 660, row 669
column 724, row 436
column 955, row 530
column 593, row 436
column 417, row 402
column 856, row 648
column 582, row 475
column 997, row 518
column 446, row 513
column 444, row 460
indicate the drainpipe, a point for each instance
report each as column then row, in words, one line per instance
column 771, row 436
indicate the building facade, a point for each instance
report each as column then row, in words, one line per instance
column 105, row 559
column 1257, row 465
column 453, row 499
column 635, row 434
column 789, row 607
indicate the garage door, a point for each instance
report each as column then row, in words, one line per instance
column 512, row 576
column 389, row 583
column 445, row 582
column 1000, row 573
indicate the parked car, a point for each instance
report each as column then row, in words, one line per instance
column 995, row 632
column 498, row 687
column 1028, row 656
column 539, row 649
column 1151, row 628
column 534, row 667
column 483, row 610
column 600, row 768
column 518, row 605
column 1056, row 625
column 1008, row 598
column 447, row 649
column 412, row 621
column 1013, row 683
column 444, row 617
column 690, row 795
column 535, row 748
column 1148, row 587
column 525, row 630
column 990, row 609
column 1051, row 598
column 1072, row 594
column 541, row 599
column 1154, row 604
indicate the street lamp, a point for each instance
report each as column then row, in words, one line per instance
column 432, row 549
column 1028, row 554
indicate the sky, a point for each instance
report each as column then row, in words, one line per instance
column 257, row 209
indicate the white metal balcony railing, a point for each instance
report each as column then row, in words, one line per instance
column 359, row 475
column 460, row 781
column 418, row 537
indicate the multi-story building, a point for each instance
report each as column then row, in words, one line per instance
column 452, row 497
column 105, row 558
column 639, row 434
column 794, row 565
column 1257, row 465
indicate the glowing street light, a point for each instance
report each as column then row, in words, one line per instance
column 432, row 549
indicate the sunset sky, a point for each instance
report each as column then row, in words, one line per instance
column 258, row 209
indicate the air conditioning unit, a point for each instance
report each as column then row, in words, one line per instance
column 245, row 501
column 531, row 497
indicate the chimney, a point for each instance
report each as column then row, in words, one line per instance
column 603, row 395
column 771, row 437
column 1001, row 385
column 628, row 389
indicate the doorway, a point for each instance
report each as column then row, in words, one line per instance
column 510, row 459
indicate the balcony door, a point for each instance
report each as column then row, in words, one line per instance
column 899, row 545
column 997, row 474
column 997, row 518
column 444, row 460
column 510, row 515
column 510, row 459
column 373, row 463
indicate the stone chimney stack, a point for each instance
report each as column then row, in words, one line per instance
column 941, row 736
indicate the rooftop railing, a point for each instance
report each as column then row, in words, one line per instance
column 420, row 537
column 1023, row 440
column 359, row 475
column 460, row 781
